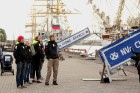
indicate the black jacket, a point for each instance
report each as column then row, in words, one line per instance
column 42, row 53
column 51, row 50
column 28, row 54
column 136, row 53
column 38, row 50
column 19, row 53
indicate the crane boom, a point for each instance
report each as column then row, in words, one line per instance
column 119, row 14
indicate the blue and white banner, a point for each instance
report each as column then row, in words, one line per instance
column 119, row 52
column 74, row 38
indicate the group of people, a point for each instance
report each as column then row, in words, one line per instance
column 29, row 65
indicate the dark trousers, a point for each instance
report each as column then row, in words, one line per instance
column 35, row 71
column 20, row 73
column 31, row 73
column 27, row 72
column 136, row 59
column 35, row 67
column 138, row 68
column 1, row 66
column 40, row 68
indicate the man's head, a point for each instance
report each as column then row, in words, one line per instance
column 27, row 43
column 52, row 38
column 21, row 39
column 37, row 38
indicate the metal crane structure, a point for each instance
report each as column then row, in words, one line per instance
column 103, row 20
column 108, row 32
column 54, row 10
column 115, row 32
column 116, row 29
column 119, row 14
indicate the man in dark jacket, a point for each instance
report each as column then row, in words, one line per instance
column 137, row 59
column 19, row 54
column 36, row 59
column 53, row 62
column 27, row 63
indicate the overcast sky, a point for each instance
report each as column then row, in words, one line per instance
column 14, row 14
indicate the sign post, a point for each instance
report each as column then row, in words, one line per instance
column 119, row 52
column 73, row 39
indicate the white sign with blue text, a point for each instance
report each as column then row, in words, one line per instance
column 72, row 39
column 119, row 51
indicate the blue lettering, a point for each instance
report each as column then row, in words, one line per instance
column 66, row 42
column 79, row 35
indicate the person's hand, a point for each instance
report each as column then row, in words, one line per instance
column 59, row 54
column 47, row 58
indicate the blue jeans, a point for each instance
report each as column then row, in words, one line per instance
column 20, row 73
column 27, row 72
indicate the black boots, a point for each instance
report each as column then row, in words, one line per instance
column 46, row 83
column 55, row 83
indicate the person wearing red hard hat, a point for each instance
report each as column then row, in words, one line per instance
column 21, row 39
column 20, row 56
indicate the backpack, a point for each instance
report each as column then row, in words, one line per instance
column 33, row 52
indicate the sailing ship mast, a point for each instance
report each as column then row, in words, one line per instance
column 54, row 10
column 33, row 23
